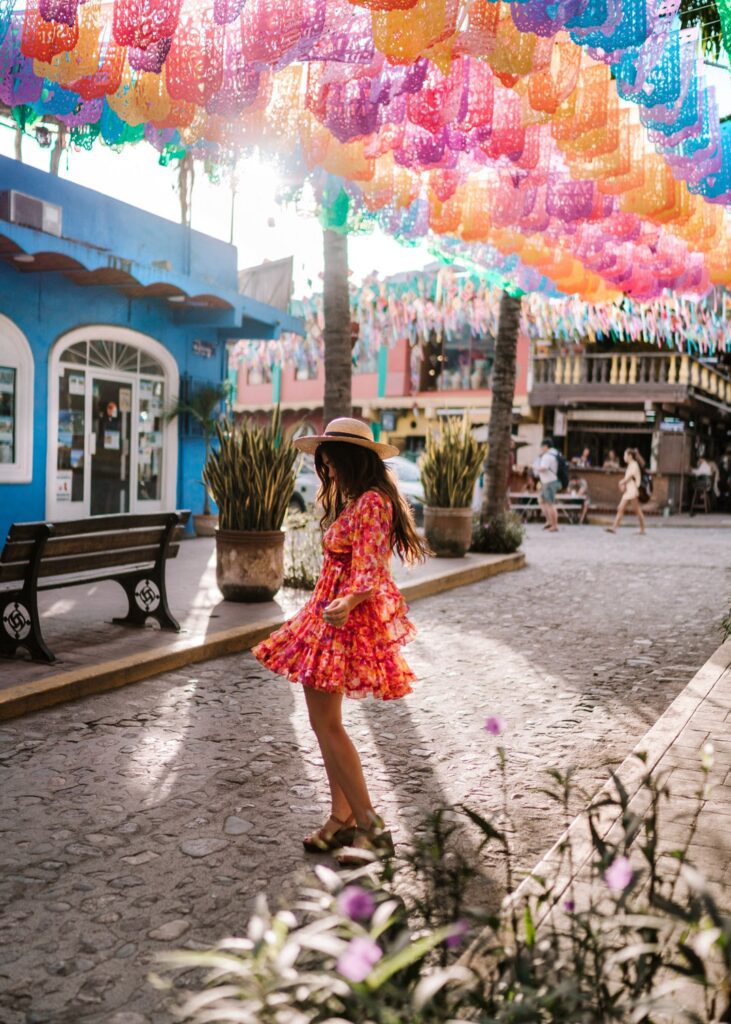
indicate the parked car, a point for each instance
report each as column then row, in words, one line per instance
column 306, row 485
column 408, row 479
column 406, row 472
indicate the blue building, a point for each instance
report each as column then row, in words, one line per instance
column 106, row 313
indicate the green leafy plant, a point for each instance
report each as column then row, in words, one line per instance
column 501, row 536
column 302, row 550
column 250, row 474
column 451, row 464
column 204, row 405
column 626, row 931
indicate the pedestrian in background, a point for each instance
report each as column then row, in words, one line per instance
column 629, row 485
column 546, row 468
column 345, row 641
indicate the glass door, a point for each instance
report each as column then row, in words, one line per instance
column 150, row 434
column 111, row 415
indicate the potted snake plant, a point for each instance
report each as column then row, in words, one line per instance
column 449, row 467
column 250, row 475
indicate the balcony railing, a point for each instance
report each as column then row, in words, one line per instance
column 652, row 372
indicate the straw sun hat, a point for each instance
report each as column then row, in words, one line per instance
column 351, row 432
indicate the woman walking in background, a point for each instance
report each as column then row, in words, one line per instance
column 345, row 641
column 629, row 485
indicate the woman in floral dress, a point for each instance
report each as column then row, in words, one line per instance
column 346, row 640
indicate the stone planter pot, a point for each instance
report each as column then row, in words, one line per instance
column 448, row 530
column 249, row 564
column 205, row 525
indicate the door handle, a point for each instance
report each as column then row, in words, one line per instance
column 92, row 444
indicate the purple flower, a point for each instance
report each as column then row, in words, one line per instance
column 459, row 931
column 569, row 906
column 495, row 725
column 619, row 874
column 356, row 903
column 359, row 957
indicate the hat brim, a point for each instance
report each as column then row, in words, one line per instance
column 309, row 445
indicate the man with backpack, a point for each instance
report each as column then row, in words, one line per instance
column 552, row 470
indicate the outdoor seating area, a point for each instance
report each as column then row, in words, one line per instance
column 571, row 508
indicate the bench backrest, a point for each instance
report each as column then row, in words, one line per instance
column 89, row 545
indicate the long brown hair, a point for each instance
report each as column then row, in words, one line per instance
column 635, row 454
column 357, row 470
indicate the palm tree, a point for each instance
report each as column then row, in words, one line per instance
column 338, row 348
column 497, row 463
column 204, row 405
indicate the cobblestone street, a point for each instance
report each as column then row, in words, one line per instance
column 150, row 817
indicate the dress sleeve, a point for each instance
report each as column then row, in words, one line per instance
column 371, row 541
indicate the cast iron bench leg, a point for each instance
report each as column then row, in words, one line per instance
column 147, row 594
column 20, row 623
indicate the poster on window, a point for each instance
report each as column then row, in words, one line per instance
column 112, row 440
column 77, row 384
column 64, row 480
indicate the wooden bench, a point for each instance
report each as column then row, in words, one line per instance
column 527, row 504
column 131, row 549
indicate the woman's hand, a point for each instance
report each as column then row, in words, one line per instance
column 338, row 611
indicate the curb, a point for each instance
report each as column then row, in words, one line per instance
column 658, row 522
column 110, row 675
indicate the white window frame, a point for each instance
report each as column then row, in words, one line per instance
column 16, row 353
column 109, row 332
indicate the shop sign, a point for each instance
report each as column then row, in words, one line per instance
column 672, row 426
column 205, row 349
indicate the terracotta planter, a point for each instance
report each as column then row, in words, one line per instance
column 205, row 525
column 448, row 530
column 249, row 564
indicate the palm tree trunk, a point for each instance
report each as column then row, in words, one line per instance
column 497, row 463
column 58, row 149
column 338, row 349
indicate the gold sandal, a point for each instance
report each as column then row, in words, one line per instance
column 322, row 841
column 372, row 843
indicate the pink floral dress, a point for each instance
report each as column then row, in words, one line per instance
column 362, row 657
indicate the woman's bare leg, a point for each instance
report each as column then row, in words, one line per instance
column 344, row 770
column 640, row 514
column 621, row 509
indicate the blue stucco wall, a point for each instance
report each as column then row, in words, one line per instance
column 97, row 232
column 125, row 231
column 45, row 307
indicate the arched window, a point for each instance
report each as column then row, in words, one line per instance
column 16, row 405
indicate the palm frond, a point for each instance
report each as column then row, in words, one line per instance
column 451, row 464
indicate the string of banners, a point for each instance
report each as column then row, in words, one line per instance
column 422, row 307
column 580, row 136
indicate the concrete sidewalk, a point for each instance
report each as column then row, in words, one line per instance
column 674, row 746
column 94, row 655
